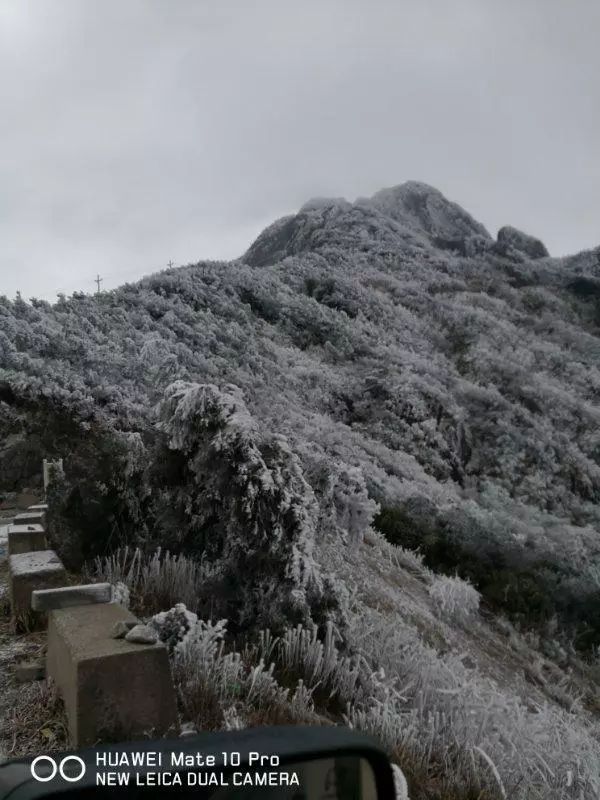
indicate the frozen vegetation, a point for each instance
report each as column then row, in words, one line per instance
column 355, row 473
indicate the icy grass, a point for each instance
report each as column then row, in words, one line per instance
column 220, row 687
column 454, row 599
column 445, row 725
column 451, row 722
column 156, row 581
column 454, row 732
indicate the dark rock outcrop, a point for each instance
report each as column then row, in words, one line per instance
column 510, row 238
column 585, row 287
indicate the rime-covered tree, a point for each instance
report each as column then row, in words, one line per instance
column 246, row 502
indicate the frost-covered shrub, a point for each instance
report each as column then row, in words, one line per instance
column 412, row 525
column 172, row 626
column 102, row 496
column 453, row 598
column 354, row 508
column 246, row 497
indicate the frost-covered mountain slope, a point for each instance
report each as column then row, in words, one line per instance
column 377, row 367
column 403, row 353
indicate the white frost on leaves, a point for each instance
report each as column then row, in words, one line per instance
column 202, row 640
column 454, row 598
column 267, row 507
column 173, row 626
column 355, row 509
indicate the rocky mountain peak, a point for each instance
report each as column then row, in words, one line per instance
column 410, row 213
column 423, row 207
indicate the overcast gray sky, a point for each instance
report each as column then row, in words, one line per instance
column 137, row 131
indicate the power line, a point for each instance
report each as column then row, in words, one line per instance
column 123, row 275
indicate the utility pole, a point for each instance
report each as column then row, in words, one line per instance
column 170, row 264
column 98, row 280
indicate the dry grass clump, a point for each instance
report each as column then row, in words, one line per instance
column 36, row 722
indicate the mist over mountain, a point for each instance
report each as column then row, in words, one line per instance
column 385, row 367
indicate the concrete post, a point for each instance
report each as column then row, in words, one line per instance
column 113, row 690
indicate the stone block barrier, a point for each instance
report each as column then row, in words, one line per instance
column 69, row 596
column 113, row 675
column 27, row 573
column 38, row 507
column 26, row 539
column 113, row 689
column 31, row 518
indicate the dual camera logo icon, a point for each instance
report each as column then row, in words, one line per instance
column 44, row 768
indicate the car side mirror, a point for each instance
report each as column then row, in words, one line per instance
column 282, row 763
